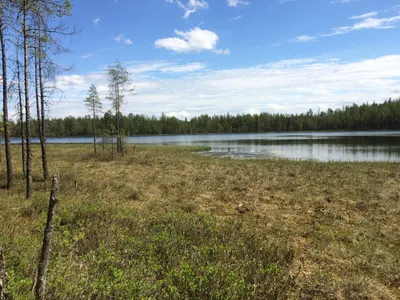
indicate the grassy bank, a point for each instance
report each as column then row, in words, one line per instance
column 163, row 223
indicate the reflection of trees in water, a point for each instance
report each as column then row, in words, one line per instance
column 370, row 141
column 343, row 148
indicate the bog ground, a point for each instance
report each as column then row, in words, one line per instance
column 163, row 223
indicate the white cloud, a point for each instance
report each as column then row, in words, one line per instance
column 236, row 3
column 190, row 7
column 290, row 63
column 165, row 67
column 121, row 38
column 222, row 51
column 96, row 21
column 192, row 67
column 179, row 115
column 68, row 82
column 368, row 23
column 275, row 44
column 342, row 1
column 236, row 18
column 303, row 38
column 86, row 56
column 286, row 1
column 364, row 16
column 195, row 40
column 288, row 86
column 364, row 22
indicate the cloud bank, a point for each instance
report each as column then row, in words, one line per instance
column 288, row 86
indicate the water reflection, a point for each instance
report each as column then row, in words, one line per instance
column 322, row 149
column 326, row 146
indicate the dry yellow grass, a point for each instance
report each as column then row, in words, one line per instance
column 340, row 219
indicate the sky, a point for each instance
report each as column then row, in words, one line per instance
column 193, row 57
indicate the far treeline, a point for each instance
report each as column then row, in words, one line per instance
column 383, row 116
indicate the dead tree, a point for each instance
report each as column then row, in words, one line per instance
column 40, row 286
column 5, row 98
column 21, row 115
column 27, row 104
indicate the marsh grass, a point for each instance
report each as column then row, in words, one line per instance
column 162, row 223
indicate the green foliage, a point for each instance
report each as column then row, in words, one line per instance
column 118, row 81
column 178, row 256
column 384, row 116
column 92, row 101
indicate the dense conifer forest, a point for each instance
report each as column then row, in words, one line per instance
column 383, row 116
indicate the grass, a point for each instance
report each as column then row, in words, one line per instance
column 163, row 223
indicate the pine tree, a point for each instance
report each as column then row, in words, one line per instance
column 119, row 82
column 94, row 106
column 5, row 97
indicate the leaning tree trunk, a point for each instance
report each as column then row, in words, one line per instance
column 21, row 117
column 5, row 100
column 40, row 286
column 42, row 107
column 27, row 107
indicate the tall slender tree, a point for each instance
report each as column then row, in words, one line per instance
column 1, row 134
column 45, row 11
column 94, row 106
column 25, row 10
column 21, row 113
column 37, row 100
column 5, row 97
column 119, row 82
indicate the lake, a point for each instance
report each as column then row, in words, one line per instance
column 372, row 146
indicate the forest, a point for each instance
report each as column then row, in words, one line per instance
column 383, row 116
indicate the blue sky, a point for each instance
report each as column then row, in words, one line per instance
column 189, row 57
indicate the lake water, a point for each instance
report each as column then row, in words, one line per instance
column 322, row 146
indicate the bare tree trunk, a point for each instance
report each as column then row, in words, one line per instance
column 104, row 142
column 21, row 117
column 42, row 107
column 39, row 123
column 94, row 131
column 5, row 101
column 118, row 119
column 27, row 108
column 118, row 132
column 112, row 145
column 40, row 287
column 3, row 277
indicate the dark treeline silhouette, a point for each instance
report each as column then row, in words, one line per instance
column 383, row 116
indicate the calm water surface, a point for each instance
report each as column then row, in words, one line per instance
column 321, row 146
